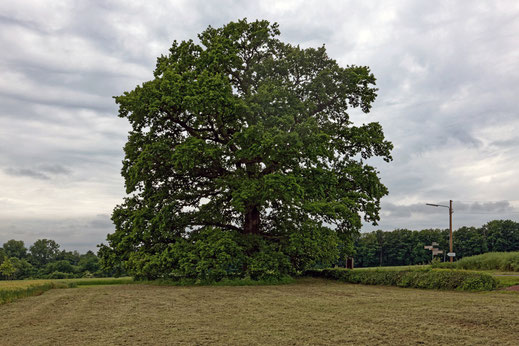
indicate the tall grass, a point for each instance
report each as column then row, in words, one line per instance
column 15, row 289
column 504, row 261
column 11, row 290
column 96, row 281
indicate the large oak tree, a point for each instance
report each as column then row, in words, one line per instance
column 243, row 133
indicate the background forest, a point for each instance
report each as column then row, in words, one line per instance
column 406, row 247
column 44, row 259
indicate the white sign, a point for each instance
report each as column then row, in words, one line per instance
column 434, row 243
column 451, row 254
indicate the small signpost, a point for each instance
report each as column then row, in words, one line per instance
column 451, row 254
column 435, row 251
column 349, row 263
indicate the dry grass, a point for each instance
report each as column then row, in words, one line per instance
column 310, row 311
column 17, row 284
column 12, row 290
column 16, row 289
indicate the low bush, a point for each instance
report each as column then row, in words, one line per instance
column 444, row 265
column 423, row 278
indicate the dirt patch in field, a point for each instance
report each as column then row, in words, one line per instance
column 512, row 288
column 309, row 312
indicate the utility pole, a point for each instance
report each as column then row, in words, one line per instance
column 451, row 211
column 450, row 231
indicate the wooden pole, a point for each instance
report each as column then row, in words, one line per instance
column 450, row 230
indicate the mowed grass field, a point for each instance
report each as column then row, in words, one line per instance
column 310, row 311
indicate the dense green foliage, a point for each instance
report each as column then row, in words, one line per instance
column 406, row 247
column 242, row 160
column 420, row 278
column 45, row 260
column 212, row 255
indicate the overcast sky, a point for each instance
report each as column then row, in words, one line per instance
column 447, row 71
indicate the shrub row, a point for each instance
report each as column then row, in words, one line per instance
column 423, row 278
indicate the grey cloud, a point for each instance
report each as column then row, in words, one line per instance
column 43, row 172
column 7, row 21
column 407, row 210
column 101, row 221
column 27, row 172
column 420, row 216
column 54, row 169
column 486, row 207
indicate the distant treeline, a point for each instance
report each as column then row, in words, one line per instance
column 406, row 247
column 45, row 260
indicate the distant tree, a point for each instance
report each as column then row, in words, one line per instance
column 469, row 241
column 367, row 250
column 7, row 269
column 398, row 247
column 3, row 255
column 61, row 266
column 380, row 236
column 43, row 251
column 23, row 269
column 247, row 135
column 89, row 262
column 15, row 248
column 72, row 257
column 502, row 235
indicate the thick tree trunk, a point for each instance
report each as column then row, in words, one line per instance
column 252, row 220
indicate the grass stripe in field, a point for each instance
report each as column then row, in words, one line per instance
column 13, row 290
column 96, row 281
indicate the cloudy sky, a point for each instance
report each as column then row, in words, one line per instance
column 447, row 71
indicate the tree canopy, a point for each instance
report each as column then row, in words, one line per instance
column 15, row 248
column 46, row 261
column 245, row 141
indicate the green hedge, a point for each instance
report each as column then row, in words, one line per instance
column 424, row 278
